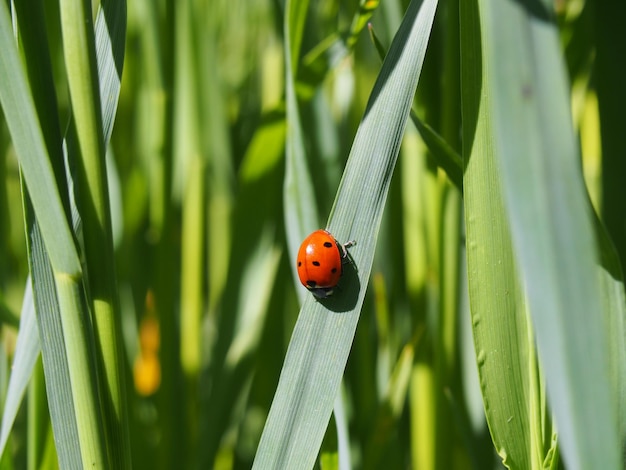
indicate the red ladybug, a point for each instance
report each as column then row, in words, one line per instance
column 320, row 262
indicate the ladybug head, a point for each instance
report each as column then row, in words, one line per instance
column 321, row 292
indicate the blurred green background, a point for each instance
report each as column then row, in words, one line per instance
column 206, row 284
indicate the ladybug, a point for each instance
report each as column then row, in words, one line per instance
column 320, row 262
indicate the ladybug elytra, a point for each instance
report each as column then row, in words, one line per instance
column 320, row 262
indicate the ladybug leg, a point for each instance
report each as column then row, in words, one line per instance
column 345, row 246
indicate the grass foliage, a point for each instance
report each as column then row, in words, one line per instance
column 162, row 161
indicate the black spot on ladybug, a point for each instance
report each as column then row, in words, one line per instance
column 316, row 263
column 299, row 263
column 334, row 270
column 328, row 244
column 311, row 283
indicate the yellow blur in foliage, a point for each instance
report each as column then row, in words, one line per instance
column 147, row 367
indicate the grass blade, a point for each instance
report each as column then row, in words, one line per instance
column 47, row 202
column 551, row 225
column 26, row 352
column 502, row 335
column 55, row 359
column 323, row 335
column 27, row 137
column 298, row 194
column 74, row 394
column 442, row 153
column 83, row 69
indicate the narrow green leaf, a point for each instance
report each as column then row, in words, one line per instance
column 608, row 47
column 323, row 335
column 360, row 20
column 186, row 137
column 444, row 156
column 614, row 306
column 343, row 436
column 299, row 197
column 110, row 42
column 81, row 360
column 63, row 257
column 54, row 354
column 332, row 50
column 503, row 343
column 442, row 153
column 26, row 352
column 67, row 397
column 257, row 282
column 247, row 298
column 266, row 148
column 390, row 409
column 33, row 34
column 40, row 453
column 551, row 225
column 89, row 128
column 29, row 144
column 110, row 38
column 216, row 145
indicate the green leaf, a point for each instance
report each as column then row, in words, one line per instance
column 73, row 381
column 551, row 225
column 503, row 340
column 298, row 194
column 94, row 55
column 390, row 409
column 28, row 141
column 79, row 371
column 247, row 299
column 26, row 352
column 329, row 52
column 323, row 334
column 611, row 279
column 54, row 354
column 266, row 148
column 441, row 152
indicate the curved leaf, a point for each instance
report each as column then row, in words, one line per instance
column 323, row 334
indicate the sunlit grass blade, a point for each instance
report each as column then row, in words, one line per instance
column 110, row 42
column 299, row 197
column 331, row 50
column 247, row 303
column 441, row 152
column 215, row 142
column 76, row 398
column 41, row 450
column 266, row 148
column 240, row 332
column 323, row 334
column 187, row 151
column 110, row 38
column 551, row 225
column 93, row 203
column 502, row 339
column 614, row 301
column 390, row 409
column 62, row 401
column 59, row 244
column 26, row 352
column 29, row 144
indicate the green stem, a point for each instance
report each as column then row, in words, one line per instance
column 93, row 205
column 82, row 379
